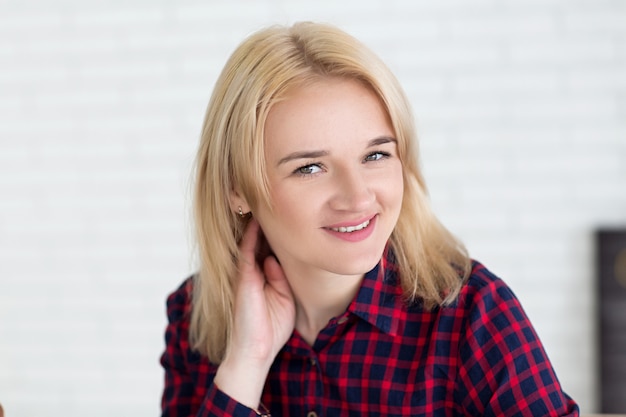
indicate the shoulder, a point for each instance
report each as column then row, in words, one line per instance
column 503, row 363
column 178, row 316
column 492, row 311
column 489, row 305
column 179, row 301
column 483, row 286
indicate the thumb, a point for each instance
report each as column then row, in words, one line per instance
column 275, row 275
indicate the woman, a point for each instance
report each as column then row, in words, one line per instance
column 327, row 286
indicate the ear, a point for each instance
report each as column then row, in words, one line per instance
column 237, row 202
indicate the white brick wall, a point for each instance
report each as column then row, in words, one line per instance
column 521, row 108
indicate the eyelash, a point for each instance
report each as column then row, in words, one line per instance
column 383, row 155
column 299, row 171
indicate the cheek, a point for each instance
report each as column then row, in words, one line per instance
column 288, row 208
column 284, row 227
column 393, row 185
column 287, row 204
column 400, row 185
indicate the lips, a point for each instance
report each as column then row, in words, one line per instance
column 350, row 229
column 353, row 231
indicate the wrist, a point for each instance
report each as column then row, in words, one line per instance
column 242, row 380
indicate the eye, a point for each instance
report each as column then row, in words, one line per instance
column 376, row 156
column 310, row 169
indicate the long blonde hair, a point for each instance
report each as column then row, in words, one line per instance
column 432, row 262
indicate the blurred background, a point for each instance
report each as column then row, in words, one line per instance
column 521, row 113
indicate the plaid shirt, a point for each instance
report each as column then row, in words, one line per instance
column 478, row 357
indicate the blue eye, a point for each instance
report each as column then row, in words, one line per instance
column 308, row 169
column 376, row 156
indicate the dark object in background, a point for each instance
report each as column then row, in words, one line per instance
column 611, row 268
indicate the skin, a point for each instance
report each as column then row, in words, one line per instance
column 332, row 166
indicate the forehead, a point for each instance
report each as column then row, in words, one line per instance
column 325, row 113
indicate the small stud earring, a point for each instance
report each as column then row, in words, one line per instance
column 241, row 212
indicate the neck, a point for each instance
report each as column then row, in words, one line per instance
column 320, row 297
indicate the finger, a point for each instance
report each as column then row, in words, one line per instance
column 248, row 244
column 263, row 249
column 275, row 275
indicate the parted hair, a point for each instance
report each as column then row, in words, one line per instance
column 432, row 263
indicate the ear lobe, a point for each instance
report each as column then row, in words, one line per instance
column 238, row 204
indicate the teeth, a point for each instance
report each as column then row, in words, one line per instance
column 351, row 229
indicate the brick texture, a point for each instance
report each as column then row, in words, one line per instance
column 521, row 110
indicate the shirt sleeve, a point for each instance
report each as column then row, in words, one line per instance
column 504, row 369
column 189, row 389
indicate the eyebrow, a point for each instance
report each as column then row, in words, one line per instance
column 381, row 141
column 302, row 155
column 317, row 154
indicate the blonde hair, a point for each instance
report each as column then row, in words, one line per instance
column 432, row 262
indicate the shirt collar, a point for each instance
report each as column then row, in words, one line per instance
column 379, row 300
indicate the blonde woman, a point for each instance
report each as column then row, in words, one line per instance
column 327, row 287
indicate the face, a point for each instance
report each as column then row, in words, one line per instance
column 335, row 179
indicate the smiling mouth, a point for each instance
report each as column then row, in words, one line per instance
column 351, row 229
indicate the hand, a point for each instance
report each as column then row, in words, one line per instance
column 264, row 304
column 264, row 318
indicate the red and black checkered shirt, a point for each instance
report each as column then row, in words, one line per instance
column 382, row 357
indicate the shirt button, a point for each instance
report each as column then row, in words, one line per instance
column 342, row 320
column 313, row 362
column 311, row 414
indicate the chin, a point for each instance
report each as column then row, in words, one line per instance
column 356, row 265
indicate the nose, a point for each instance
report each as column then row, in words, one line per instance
column 352, row 191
